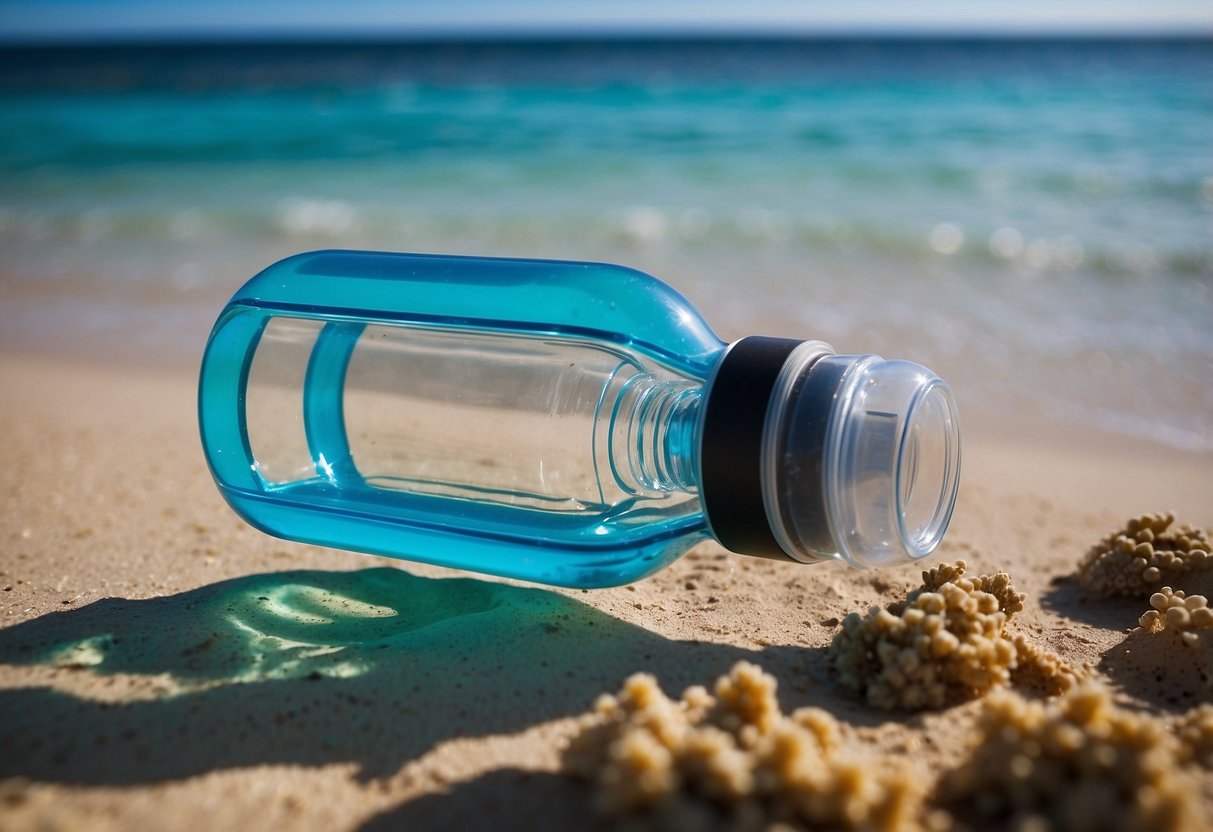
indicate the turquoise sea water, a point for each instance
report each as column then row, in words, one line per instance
column 1032, row 219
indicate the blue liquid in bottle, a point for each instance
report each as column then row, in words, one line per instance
column 574, row 424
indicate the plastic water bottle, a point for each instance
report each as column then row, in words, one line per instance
column 576, row 424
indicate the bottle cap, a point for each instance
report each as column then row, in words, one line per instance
column 807, row 455
column 861, row 459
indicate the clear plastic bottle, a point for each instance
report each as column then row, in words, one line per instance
column 575, row 424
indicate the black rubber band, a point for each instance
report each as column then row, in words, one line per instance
column 731, row 452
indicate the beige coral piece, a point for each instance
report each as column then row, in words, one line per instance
column 944, row 644
column 1175, row 610
column 1195, row 733
column 1076, row 762
column 1149, row 552
column 734, row 761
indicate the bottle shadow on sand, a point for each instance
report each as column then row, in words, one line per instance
column 1068, row 599
column 490, row 803
column 374, row 667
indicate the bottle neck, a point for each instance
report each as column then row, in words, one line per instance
column 654, row 445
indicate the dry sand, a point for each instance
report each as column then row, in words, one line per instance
column 164, row 666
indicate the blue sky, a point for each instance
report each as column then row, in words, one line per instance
column 117, row 18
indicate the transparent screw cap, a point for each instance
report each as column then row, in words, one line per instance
column 861, row 459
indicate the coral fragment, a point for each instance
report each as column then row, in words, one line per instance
column 944, row 644
column 733, row 760
column 1150, row 550
column 1076, row 762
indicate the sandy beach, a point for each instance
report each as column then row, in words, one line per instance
column 164, row 666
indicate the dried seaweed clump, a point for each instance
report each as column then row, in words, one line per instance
column 1076, row 762
column 1148, row 552
column 943, row 644
column 733, row 761
column 1195, row 732
column 1173, row 609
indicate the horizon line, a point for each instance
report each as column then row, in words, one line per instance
column 172, row 36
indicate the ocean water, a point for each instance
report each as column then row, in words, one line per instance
column 1032, row 219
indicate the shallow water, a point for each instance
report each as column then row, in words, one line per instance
column 1032, row 219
